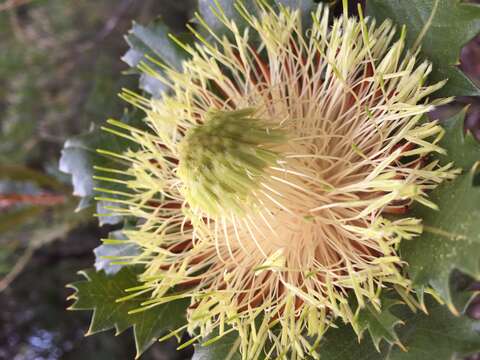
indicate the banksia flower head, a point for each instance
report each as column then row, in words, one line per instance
column 268, row 179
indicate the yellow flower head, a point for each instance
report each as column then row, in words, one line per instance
column 271, row 165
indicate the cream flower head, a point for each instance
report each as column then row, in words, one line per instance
column 268, row 178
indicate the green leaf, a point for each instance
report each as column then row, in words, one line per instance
column 79, row 156
column 152, row 42
column 75, row 160
column 449, row 25
column 208, row 10
column 451, row 236
column 440, row 335
column 100, row 294
column 380, row 324
column 342, row 344
column 462, row 148
column 226, row 348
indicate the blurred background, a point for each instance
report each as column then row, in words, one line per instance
column 60, row 69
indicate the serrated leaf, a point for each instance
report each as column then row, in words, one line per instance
column 107, row 254
column 451, row 236
column 78, row 157
column 462, row 148
column 440, row 335
column 100, row 293
column 449, row 25
column 419, row 334
column 381, row 325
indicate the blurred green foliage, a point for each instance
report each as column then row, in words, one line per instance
column 60, row 68
column 58, row 74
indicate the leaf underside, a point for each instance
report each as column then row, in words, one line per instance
column 78, row 158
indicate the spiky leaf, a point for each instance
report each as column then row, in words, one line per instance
column 451, row 237
column 381, row 325
column 438, row 335
column 461, row 146
column 100, row 293
column 444, row 27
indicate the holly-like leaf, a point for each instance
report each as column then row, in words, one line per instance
column 461, row 146
column 381, row 325
column 438, row 335
column 100, row 293
column 451, row 236
column 443, row 28
column 152, row 42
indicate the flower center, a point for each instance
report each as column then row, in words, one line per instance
column 222, row 160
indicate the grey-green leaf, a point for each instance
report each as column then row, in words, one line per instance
column 209, row 10
column 78, row 158
column 107, row 254
column 152, row 42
